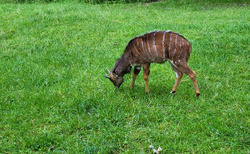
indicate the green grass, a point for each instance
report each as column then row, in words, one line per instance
column 54, row 96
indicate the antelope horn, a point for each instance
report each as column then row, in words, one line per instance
column 108, row 70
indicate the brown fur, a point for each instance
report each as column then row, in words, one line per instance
column 155, row 47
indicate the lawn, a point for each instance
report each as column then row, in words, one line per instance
column 54, row 96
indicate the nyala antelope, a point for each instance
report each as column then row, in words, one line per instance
column 154, row 47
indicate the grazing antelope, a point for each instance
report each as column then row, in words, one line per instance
column 154, row 47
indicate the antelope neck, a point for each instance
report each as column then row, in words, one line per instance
column 122, row 65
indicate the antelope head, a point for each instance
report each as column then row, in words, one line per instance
column 117, row 80
column 116, row 75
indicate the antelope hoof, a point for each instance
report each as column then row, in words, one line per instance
column 147, row 92
column 172, row 92
column 197, row 95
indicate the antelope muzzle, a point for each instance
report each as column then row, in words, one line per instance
column 115, row 79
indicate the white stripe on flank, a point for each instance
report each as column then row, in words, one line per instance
column 147, row 45
column 138, row 46
column 175, row 45
column 169, row 50
column 145, row 54
column 163, row 46
column 155, row 45
column 143, row 47
column 136, row 50
column 139, row 53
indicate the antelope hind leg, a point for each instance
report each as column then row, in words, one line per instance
column 187, row 70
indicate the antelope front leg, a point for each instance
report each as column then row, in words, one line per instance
column 136, row 71
column 146, row 72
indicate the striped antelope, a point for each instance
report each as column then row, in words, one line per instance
column 154, row 47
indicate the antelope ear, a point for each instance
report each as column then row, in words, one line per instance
column 114, row 75
column 117, row 71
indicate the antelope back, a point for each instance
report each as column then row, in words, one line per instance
column 159, row 46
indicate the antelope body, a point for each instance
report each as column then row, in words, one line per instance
column 154, row 47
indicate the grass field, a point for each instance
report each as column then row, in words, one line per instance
column 54, row 96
